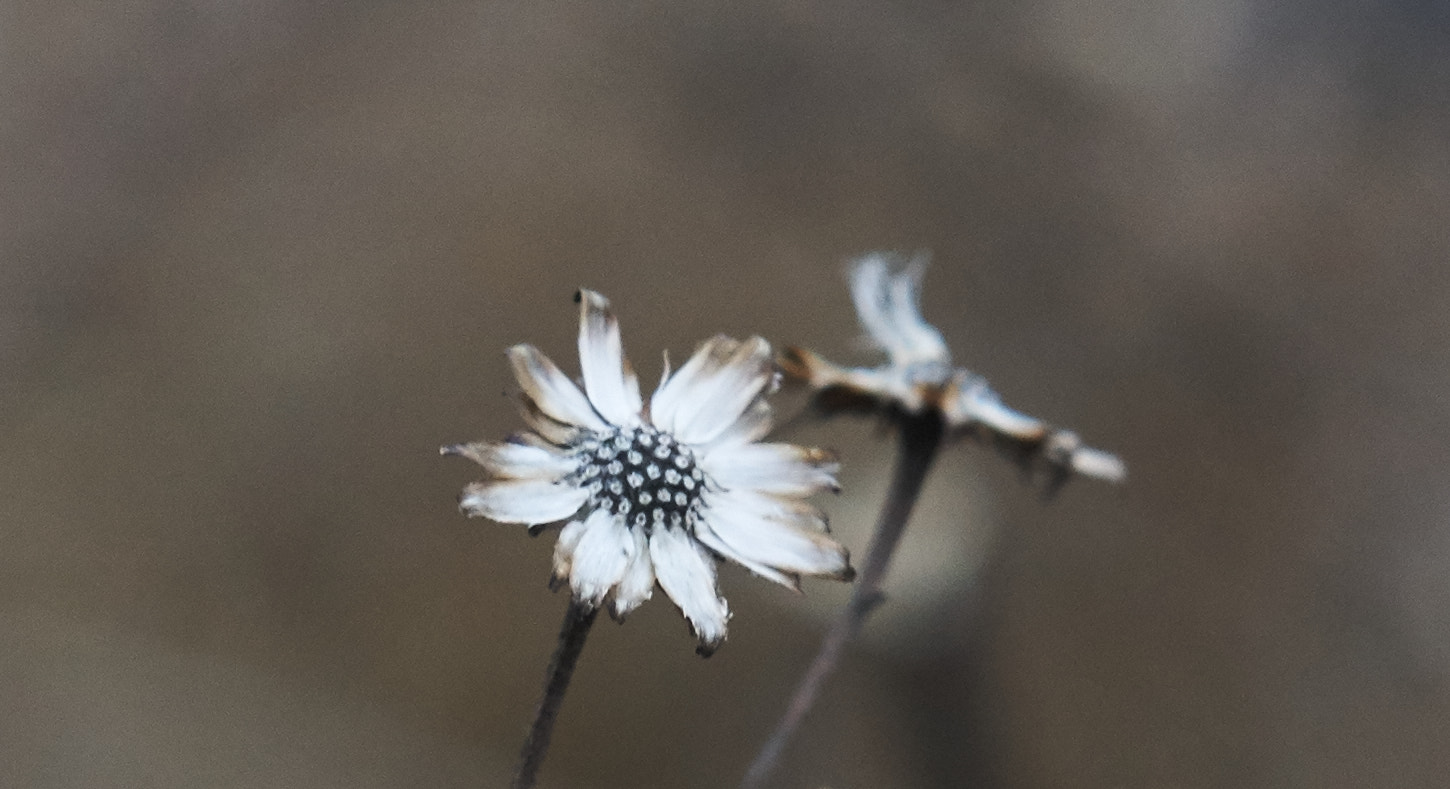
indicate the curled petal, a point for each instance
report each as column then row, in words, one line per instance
column 548, row 429
column 923, row 343
column 528, row 501
column 687, row 574
column 780, row 469
column 601, row 557
column 870, row 283
column 512, row 460
column 611, row 383
column 551, row 390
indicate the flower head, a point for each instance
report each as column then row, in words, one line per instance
column 658, row 493
column 918, row 375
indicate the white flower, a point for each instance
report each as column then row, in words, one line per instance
column 918, row 375
column 657, row 493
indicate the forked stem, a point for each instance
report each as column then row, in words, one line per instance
column 577, row 621
column 920, row 437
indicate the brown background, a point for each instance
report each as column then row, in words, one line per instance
column 258, row 260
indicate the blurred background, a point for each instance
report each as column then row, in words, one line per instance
column 259, row 260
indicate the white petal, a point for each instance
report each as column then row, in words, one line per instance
column 1101, row 465
column 546, row 427
column 979, row 404
column 719, row 394
column 790, row 511
column 752, row 425
column 673, row 389
column 781, row 469
column 530, row 501
column 610, row 382
column 512, row 460
column 777, row 545
column 638, row 583
column 601, row 557
column 712, row 541
column 921, row 340
column 687, row 574
column 550, row 389
column 869, row 284
column 569, row 538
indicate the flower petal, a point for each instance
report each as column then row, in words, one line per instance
column 752, row 425
column 673, row 390
column 601, row 557
column 922, row 341
column 638, row 583
column 549, row 429
column 869, row 277
column 687, row 574
column 551, row 390
column 610, row 382
column 717, row 396
column 977, row 403
column 568, row 540
column 710, row 540
column 791, row 511
column 887, row 294
column 781, row 469
column 512, row 460
column 774, row 544
column 529, row 501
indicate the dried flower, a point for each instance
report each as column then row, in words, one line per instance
column 659, row 493
column 919, row 376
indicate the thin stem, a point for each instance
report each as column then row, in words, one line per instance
column 577, row 621
column 920, row 437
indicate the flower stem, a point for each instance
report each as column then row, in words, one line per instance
column 577, row 621
column 920, row 437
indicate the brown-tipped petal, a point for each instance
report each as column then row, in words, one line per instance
column 781, row 469
column 784, row 548
column 675, row 391
column 526, row 501
column 546, row 427
column 790, row 511
column 752, row 425
column 551, row 390
column 719, row 395
column 511, row 460
column 607, row 375
column 714, row 542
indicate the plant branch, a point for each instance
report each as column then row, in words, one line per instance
column 577, row 621
column 920, row 437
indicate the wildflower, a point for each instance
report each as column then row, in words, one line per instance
column 659, row 492
column 918, row 375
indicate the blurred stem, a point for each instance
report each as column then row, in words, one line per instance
column 920, row 437
column 577, row 621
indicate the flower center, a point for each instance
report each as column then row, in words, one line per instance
column 642, row 474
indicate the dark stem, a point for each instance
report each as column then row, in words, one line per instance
column 577, row 621
column 920, row 437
